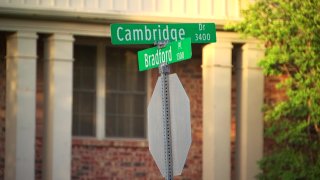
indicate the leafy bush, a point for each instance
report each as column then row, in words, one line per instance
column 290, row 30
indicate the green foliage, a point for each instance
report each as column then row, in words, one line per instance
column 291, row 32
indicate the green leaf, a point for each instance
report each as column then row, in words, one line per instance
column 291, row 32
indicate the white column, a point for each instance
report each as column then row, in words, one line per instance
column 216, row 110
column 250, row 120
column 20, row 106
column 58, row 106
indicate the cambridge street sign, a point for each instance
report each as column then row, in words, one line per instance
column 153, row 33
column 171, row 53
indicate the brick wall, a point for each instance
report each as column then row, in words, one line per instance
column 112, row 159
column 271, row 96
column 271, row 93
column 39, row 107
column 2, row 101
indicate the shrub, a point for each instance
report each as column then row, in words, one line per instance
column 290, row 30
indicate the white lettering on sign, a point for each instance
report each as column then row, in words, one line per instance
column 137, row 33
column 181, row 33
column 202, row 27
column 203, row 36
column 118, row 33
column 157, row 58
column 147, row 33
column 128, row 35
column 180, row 55
column 158, row 34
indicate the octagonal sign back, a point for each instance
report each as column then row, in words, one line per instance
column 180, row 125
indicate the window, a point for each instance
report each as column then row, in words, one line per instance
column 84, row 90
column 125, row 95
column 109, row 93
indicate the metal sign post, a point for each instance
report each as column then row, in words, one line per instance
column 164, row 70
column 169, row 132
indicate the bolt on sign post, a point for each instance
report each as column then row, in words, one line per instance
column 169, row 127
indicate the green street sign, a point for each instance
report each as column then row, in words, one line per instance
column 153, row 33
column 173, row 52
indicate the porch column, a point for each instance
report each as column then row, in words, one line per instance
column 250, row 121
column 20, row 106
column 58, row 106
column 216, row 110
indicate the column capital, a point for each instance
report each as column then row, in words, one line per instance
column 61, row 37
column 254, row 45
column 23, row 42
column 59, row 47
column 23, row 35
column 253, row 52
column 217, row 54
column 220, row 44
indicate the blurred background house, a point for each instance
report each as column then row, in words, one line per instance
column 73, row 106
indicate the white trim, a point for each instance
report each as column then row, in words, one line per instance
column 101, row 91
column 49, row 27
column 233, row 37
column 102, row 16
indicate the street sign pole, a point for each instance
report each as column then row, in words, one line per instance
column 164, row 70
column 169, row 126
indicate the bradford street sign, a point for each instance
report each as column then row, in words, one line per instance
column 171, row 53
column 153, row 33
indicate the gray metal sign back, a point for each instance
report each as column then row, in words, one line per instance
column 179, row 113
